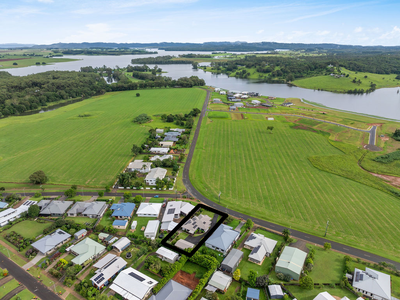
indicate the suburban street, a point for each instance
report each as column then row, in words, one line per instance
column 26, row 279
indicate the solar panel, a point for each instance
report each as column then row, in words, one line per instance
column 171, row 211
column 361, row 277
column 110, row 263
column 136, row 276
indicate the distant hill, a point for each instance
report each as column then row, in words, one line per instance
column 5, row 46
column 215, row 46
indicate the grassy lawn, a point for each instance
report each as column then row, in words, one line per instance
column 69, row 257
column 40, row 274
column 245, row 266
column 29, row 229
column 80, row 197
column 231, row 291
column 156, row 200
column 71, row 297
column 14, row 257
column 32, row 143
column 141, row 221
column 131, row 249
column 270, row 235
column 82, row 220
column 303, row 294
column 234, row 223
column 106, row 220
column 244, row 152
column 24, row 295
column 148, row 273
column 8, row 287
column 327, row 260
column 191, row 268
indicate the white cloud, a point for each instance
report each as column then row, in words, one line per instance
column 395, row 33
column 260, row 31
column 95, row 33
column 323, row 32
column 46, row 1
column 358, row 29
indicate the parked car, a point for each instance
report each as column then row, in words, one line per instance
column 156, row 196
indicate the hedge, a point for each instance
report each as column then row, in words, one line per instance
column 174, row 269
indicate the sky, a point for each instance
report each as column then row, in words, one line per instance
column 124, row 21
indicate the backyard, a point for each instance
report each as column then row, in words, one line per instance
column 29, row 229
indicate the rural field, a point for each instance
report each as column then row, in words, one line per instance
column 86, row 150
column 269, row 176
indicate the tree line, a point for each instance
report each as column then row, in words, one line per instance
column 19, row 94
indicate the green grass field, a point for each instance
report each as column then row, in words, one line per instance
column 8, row 287
column 85, row 151
column 24, row 295
column 29, row 229
column 191, row 268
column 23, row 61
column 246, row 266
column 303, row 294
column 81, row 220
column 269, row 176
column 342, row 84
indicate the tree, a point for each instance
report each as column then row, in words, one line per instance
column 107, row 188
column 262, row 281
column 2, row 188
column 236, row 275
column 33, row 211
column 101, row 193
column 252, row 278
column 138, row 199
column 181, row 157
column 136, row 149
column 286, row 234
column 70, row 193
column 38, row 177
column 142, row 118
column 249, row 223
column 5, row 272
column 396, row 135
column 127, row 195
column 306, row 282
column 38, row 194
column 12, row 197
column 137, row 94
column 327, row 246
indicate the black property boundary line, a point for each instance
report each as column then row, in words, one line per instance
column 312, row 239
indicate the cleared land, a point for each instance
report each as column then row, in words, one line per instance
column 86, row 151
column 342, row 84
column 29, row 229
column 269, row 176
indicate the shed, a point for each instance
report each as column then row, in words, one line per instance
column 291, row 262
column 275, row 291
column 152, row 229
column 167, row 255
column 252, row 294
column 122, row 244
column 231, row 261
column 80, row 234
column 220, row 281
column 182, row 244
column 133, row 225
column 120, row 224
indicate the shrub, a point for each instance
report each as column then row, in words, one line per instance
column 38, row 194
column 280, row 276
column 142, row 118
column 306, row 282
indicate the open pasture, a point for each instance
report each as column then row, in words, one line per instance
column 85, row 151
column 268, row 175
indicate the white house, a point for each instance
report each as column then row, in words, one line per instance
column 244, row 97
column 239, row 104
column 217, row 89
column 11, row 214
column 152, row 229
column 222, row 93
column 166, row 144
column 237, row 95
column 160, row 131
column 154, row 174
column 255, row 102
column 155, row 157
column 159, row 150
column 167, row 255
column 133, row 285
column 149, row 210
column 140, row 166
column 245, row 93
column 373, row 284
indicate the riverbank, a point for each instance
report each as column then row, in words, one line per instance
column 19, row 61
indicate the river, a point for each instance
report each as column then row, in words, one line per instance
column 382, row 102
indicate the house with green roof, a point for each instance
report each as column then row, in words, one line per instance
column 86, row 250
column 291, row 262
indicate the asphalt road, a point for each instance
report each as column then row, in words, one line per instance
column 296, row 234
column 26, row 279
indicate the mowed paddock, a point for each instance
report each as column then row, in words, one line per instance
column 86, row 150
column 270, row 177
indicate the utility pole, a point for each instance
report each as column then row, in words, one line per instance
column 219, row 197
column 176, row 194
column 326, row 230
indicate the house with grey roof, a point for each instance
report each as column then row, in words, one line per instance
column 108, row 267
column 172, row 291
column 182, row 244
column 93, row 210
column 86, row 250
column 260, row 247
column 140, row 166
column 155, row 173
column 80, row 234
column 54, row 208
column 51, row 241
column 167, row 255
column 198, row 224
column 161, row 158
column 151, row 229
column 372, row 284
column 219, row 282
column 222, row 239
column 231, row 261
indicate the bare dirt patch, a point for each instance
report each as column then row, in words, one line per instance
column 393, row 180
column 186, row 279
column 384, row 138
column 375, row 124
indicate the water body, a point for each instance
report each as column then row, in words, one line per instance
column 383, row 102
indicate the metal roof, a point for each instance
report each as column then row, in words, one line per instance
column 292, row 259
column 253, row 293
column 223, row 237
column 49, row 242
column 86, row 249
column 123, row 209
column 120, row 222
column 172, row 291
column 232, row 258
